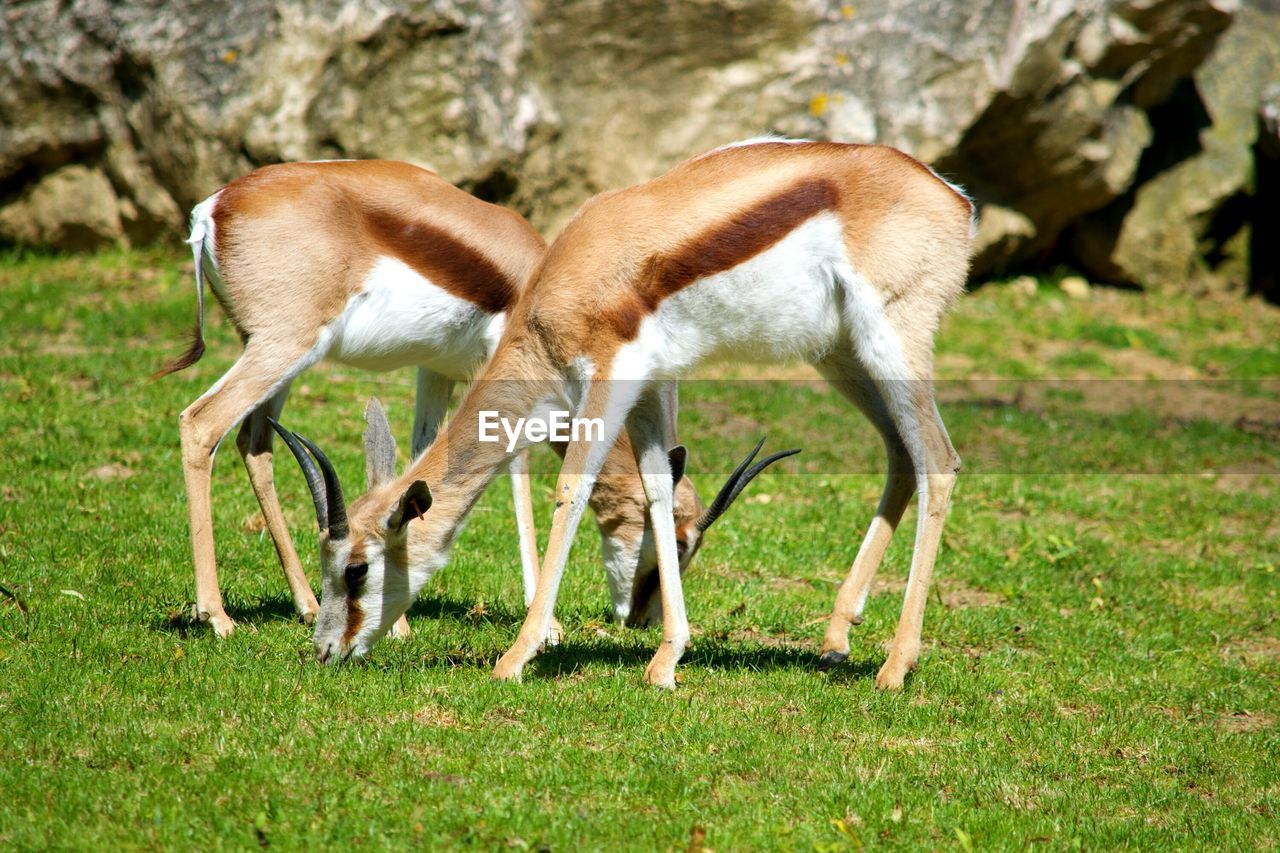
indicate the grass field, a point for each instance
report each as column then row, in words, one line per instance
column 1102, row 654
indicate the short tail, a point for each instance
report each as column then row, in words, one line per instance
column 199, row 230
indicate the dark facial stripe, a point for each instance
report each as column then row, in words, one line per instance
column 355, row 613
column 355, row 618
column 454, row 266
column 725, row 246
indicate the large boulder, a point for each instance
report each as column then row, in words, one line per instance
column 1038, row 108
column 74, row 207
column 1156, row 234
column 171, row 100
column 1045, row 110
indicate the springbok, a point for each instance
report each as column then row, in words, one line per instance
column 845, row 256
column 379, row 265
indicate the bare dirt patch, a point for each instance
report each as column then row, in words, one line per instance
column 955, row 595
column 1247, row 721
column 726, row 370
column 1141, row 364
column 955, row 364
column 435, row 716
column 1233, row 598
column 254, row 522
column 1177, row 400
column 1247, row 477
column 1087, row 710
column 110, row 471
column 959, row 597
column 773, row 641
column 1255, row 651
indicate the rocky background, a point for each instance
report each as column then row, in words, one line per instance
column 1136, row 140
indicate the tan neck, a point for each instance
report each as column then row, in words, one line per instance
column 457, row 466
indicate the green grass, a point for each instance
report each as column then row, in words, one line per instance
column 1101, row 655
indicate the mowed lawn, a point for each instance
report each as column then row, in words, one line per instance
column 1102, row 649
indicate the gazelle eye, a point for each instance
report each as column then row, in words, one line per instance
column 354, row 575
column 682, row 548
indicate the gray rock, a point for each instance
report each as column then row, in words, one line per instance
column 74, row 207
column 1156, row 235
column 1041, row 109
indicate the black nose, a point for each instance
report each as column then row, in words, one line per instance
column 325, row 652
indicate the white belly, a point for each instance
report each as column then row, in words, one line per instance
column 781, row 305
column 401, row 318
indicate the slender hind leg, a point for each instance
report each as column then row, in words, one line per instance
column 893, row 345
column 260, row 372
column 852, row 381
column 936, row 465
column 255, row 445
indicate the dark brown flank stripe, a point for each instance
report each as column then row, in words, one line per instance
column 724, row 247
column 454, row 266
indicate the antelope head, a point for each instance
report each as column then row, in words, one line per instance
column 366, row 583
column 692, row 522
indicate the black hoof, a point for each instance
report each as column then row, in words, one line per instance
column 830, row 659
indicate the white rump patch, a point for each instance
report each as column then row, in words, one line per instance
column 960, row 191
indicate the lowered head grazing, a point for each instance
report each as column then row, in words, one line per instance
column 364, row 551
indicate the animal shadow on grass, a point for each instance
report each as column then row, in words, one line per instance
column 634, row 648
column 178, row 620
column 628, row 648
column 637, row 649
column 854, row 671
column 439, row 607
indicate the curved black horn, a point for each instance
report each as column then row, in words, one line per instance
column 333, row 490
column 315, row 480
column 738, row 480
column 326, row 491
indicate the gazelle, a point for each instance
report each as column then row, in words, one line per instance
column 379, row 265
column 845, row 256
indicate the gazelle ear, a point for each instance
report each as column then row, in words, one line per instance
column 677, row 456
column 379, row 446
column 414, row 503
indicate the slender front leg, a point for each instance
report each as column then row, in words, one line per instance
column 648, row 428
column 432, row 403
column 611, row 402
